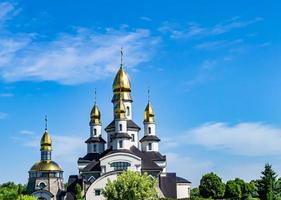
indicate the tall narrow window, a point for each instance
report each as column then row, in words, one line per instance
column 95, row 131
column 133, row 137
column 149, row 146
column 95, row 148
column 120, row 144
column 149, row 130
column 120, row 127
column 128, row 111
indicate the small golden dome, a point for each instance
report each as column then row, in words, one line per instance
column 120, row 110
column 121, row 81
column 46, row 142
column 95, row 115
column 47, row 165
column 149, row 114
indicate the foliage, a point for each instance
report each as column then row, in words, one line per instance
column 233, row 190
column 267, row 182
column 211, row 186
column 11, row 191
column 131, row 186
column 26, row 197
column 195, row 192
column 78, row 192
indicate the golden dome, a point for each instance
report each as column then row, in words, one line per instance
column 121, row 82
column 149, row 114
column 46, row 142
column 120, row 110
column 47, row 165
column 95, row 115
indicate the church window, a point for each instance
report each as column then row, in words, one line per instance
column 149, row 130
column 120, row 127
column 95, row 131
column 120, row 144
column 95, row 148
column 119, row 166
column 128, row 111
column 133, row 137
column 149, row 146
column 42, row 185
column 97, row 192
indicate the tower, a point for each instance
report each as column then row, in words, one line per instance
column 95, row 143
column 149, row 142
column 46, row 177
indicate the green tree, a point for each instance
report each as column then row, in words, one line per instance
column 266, row 183
column 26, row 197
column 131, row 186
column 211, row 186
column 233, row 190
column 78, row 192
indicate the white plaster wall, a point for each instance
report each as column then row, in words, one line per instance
column 155, row 146
column 98, row 128
column 183, row 190
column 124, row 126
column 146, row 127
column 136, row 142
column 128, row 104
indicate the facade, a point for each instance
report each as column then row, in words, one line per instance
column 125, row 149
column 46, row 177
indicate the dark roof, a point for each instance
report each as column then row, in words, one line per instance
column 89, row 157
column 168, row 185
column 155, row 156
column 130, row 126
column 95, row 139
column 182, row 180
column 72, row 181
column 121, row 135
column 92, row 166
column 150, row 138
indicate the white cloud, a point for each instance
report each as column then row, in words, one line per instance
column 84, row 56
column 247, row 139
column 6, row 95
column 195, row 30
column 7, row 10
column 26, row 132
column 3, row 115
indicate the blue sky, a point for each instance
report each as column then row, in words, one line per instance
column 213, row 68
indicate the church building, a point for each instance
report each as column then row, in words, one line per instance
column 125, row 148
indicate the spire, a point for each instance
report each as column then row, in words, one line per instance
column 95, row 113
column 46, row 141
column 121, row 57
column 120, row 108
column 148, row 112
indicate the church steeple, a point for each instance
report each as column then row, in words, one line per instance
column 46, row 144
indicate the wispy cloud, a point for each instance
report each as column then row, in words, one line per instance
column 84, row 56
column 196, row 30
column 26, row 132
column 146, row 19
column 212, row 45
column 6, row 95
column 247, row 139
column 7, row 11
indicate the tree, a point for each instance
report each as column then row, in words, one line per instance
column 212, row 186
column 266, row 183
column 26, row 197
column 131, row 186
column 233, row 190
column 78, row 192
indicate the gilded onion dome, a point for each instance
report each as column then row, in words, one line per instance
column 121, row 86
column 95, row 115
column 47, row 165
column 148, row 114
column 46, row 142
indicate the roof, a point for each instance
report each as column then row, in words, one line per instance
column 95, row 139
column 181, row 180
column 92, row 166
column 131, row 125
column 168, row 185
column 155, row 156
column 121, row 135
column 72, row 181
column 89, row 157
column 153, row 138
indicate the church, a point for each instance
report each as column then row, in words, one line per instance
column 124, row 148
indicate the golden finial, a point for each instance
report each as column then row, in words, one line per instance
column 121, row 56
column 95, row 113
column 46, row 122
column 148, row 112
column 46, row 141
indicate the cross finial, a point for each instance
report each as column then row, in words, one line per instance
column 148, row 94
column 95, row 95
column 46, row 122
column 121, row 52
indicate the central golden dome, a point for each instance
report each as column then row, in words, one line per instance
column 47, row 165
column 46, row 142
column 121, row 82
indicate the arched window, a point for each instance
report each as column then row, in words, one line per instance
column 95, row 131
column 120, row 144
column 149, row 130
column 128, row 111
column 120, row 127
column 120, row 165
column 149, row 146
column 95, row 148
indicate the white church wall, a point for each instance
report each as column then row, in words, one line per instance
column 183, row 190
